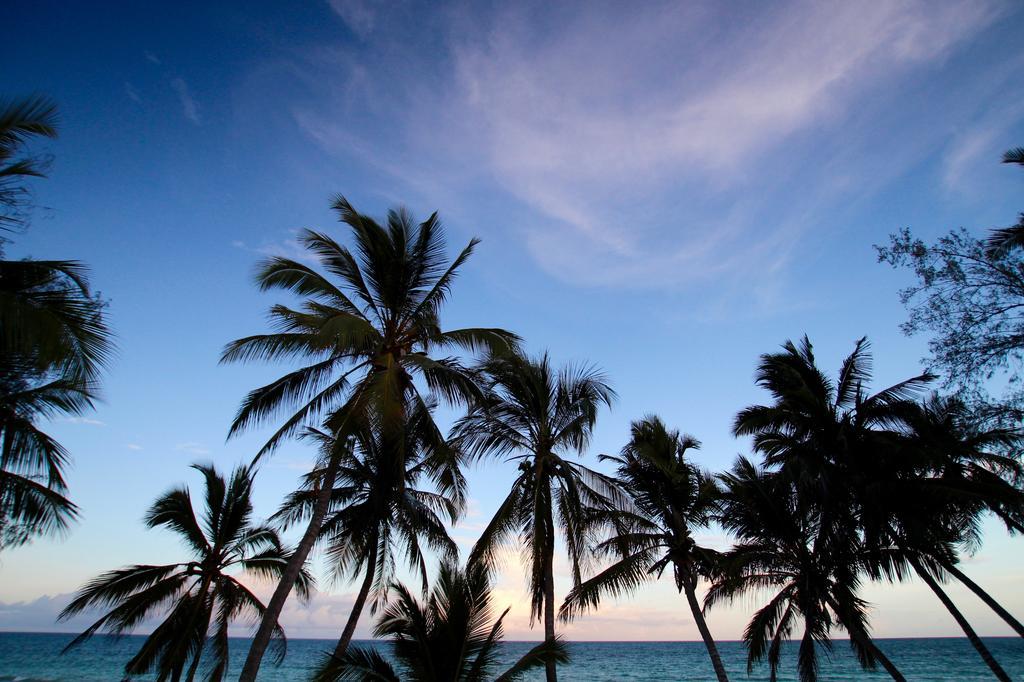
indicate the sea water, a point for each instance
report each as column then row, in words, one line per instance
column 36, row 657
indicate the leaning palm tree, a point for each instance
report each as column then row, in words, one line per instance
column 368, row 326
column 811, row 571
column 452, row 637
column 925, row 506
column 380, row 507
column 537, row 415
column 20, row 121
column 670, row 497
column 196, row 595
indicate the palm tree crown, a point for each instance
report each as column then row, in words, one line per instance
column 378, row 322
column 670, row 497
column 194, row 595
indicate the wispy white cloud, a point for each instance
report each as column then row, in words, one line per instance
column 656, row 145
column 132, row 93
column 358, row 15
column 83, row 420
column 151, row 58
column 981, row 144
column 189, row 105
column 134, row 446
column 285, row 248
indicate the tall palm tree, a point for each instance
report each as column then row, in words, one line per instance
column 20, row 121
column 364, row 331
column 811, row 571
column 197, row 594
column 825, row 438
column 670, row 497
column 453, row 637
column 537, row 415
column 380, row 507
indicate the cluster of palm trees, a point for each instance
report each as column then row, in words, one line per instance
column 851, row 486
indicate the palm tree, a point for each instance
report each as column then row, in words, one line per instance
column 825, row 439
column 811, row 570
column 670, row 498
column 197, row 594
column 379, row 507
column 53, row 343
column 20, row 121
column 453, row 637
column 366, row 329
column 536, row 415
column 926, row 505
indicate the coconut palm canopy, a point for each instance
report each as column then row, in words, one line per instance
column 197, row 599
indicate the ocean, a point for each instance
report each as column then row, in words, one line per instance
column 34, row 657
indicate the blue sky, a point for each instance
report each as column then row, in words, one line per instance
column 666, row 190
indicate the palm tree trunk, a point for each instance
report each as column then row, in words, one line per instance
column 689, row 587
column 983, row 651
column 550, row 668
column 357, row 608
column 206, row 626
column 987, row 598
column 291, row 572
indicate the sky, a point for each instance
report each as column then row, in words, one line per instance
column 666, row 190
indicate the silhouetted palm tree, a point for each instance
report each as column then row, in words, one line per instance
column 53, row 342
column 824, row 440
column 195, row 595
column 926, row 504
column 670, row 498
column 811, row 572
column 537, row 415
column 379, row 507
column 366, row 329
column 20, row 121
column 453, row 637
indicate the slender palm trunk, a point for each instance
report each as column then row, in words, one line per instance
column 550, row 668
column 987, row 598
column 206, row 625
column 291, row 572
column 357, row 608
column 689, row 587
column 983, row 651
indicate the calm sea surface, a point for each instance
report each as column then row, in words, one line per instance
column 36, row 657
